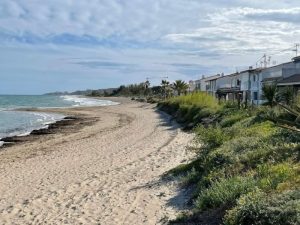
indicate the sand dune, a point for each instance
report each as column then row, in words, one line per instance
column 106, row 173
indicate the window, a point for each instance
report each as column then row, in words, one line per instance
column 254, row 78
column 255, row 96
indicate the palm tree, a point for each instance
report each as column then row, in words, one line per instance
column 180, row 86
column 146, row 86
column 269, row 93
column 165, row 86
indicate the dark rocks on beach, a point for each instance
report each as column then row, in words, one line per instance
column 66, row 125
column 11, row 139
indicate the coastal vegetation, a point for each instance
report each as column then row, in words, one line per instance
column 247, row 168
column 143, row 90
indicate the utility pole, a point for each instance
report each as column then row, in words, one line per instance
column 265, row 61
column 296, row 48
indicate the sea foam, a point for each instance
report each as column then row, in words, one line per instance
column 83, row 101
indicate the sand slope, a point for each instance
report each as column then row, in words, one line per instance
column 107, row 173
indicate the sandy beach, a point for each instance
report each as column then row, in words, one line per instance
column 105, row 172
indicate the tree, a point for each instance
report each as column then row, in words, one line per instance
column 269, row 93
column 146, row 86
column 165, row 86
column 180, row 87
column 286, row 95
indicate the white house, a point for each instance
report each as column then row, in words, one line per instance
column 246, row 86
column 234, row 86
column 209, row 84
column 192, row 86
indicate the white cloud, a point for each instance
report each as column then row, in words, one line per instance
column 135, row 19
column 155, row 36
column 242, row 30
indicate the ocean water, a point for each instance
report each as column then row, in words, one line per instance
column 15, row 122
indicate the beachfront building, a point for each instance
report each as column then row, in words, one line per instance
column 240, row 86
column 209, row 84
column 200, row 85
column 192, row 86
column 229, row 87
column 292, row 81
column 283, row 75
column 251, row 86
column 246, row 86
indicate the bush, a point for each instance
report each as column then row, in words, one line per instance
column 225, row 191
column 232, row 118
column 199, row 99
column 270, row 176
column 245, row 161
column 257, row 208
column 212, row 136
column 191, row 108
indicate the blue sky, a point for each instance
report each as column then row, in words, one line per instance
column 57, row 45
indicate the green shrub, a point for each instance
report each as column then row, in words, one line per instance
column 225, row 191
column 270, row 176
column 257, row 208
column 191, row 177
column 191, row 108
column 206, row 112
column 199, row 99
column 263, row 153
column 232, row 118
column 245, row 161
column 265, row 129
column 180, row 170
column 212, row 136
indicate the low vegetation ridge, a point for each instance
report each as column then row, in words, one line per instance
column 247, row 168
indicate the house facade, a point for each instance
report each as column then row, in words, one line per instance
column 246, row 86
column 192, row 86
column 210, row 84
column 292, row 81
column 227, row 87
column 207, row 84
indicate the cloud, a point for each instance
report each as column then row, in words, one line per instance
column 137, row 19
column 291, row 15
column 104, row 64
column 115, row 41
column 244, row 30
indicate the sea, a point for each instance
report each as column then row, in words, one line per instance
column 14, row 121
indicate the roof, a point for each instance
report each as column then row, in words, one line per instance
column 214, row 77
column 292, row 80
column 228, row 90
column 297, row 58
column 269, row 79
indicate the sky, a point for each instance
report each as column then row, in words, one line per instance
column 68, row 45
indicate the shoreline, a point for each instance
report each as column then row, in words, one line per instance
column 109, row 172
column 70, row 119
column 51, row 128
